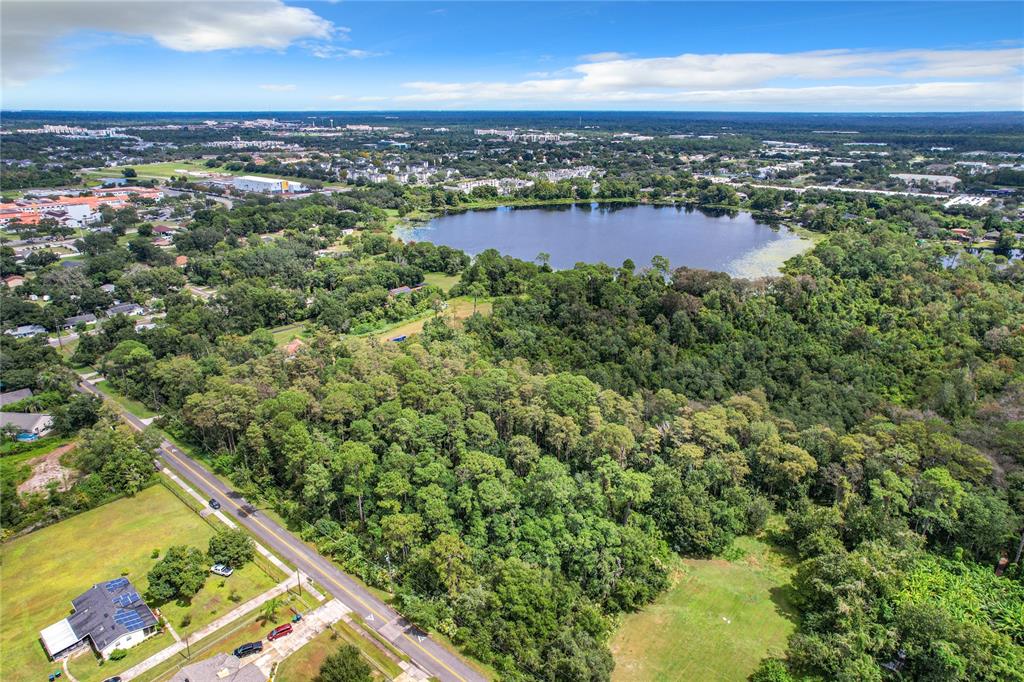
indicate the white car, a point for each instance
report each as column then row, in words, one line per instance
column 222, row 570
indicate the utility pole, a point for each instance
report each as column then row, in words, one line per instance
column 56, row 327
column 298, row 581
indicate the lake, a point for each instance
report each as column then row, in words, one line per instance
column 610, row 233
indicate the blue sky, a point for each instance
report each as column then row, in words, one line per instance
column 283, row 55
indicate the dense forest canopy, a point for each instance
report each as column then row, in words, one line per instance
column 522, row 479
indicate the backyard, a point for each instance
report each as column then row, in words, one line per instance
column 719, row 618
column 42, row 571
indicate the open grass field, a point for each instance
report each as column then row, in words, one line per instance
column 287, row 333
column 716, row 622
column 42, row 571
column 439, row 279
column 458, row 310
column 133, row 406
column 187, row 167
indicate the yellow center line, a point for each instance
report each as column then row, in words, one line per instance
column 185, row 464
column 164, row 449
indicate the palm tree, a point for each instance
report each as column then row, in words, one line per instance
column 270, row 609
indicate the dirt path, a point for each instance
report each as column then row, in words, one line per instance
column 47, row 469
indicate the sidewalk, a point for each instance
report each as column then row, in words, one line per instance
column 198, row 635
column 226, row 520
column 311, row 625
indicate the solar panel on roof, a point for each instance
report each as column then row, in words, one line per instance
column 129, row 619
column 127, row 599
column 116, row 584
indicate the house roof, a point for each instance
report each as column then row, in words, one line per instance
column 220, row 668
column 27, row 329
column 58, row 637
column 75, row 319
column 14, row 396
column 32, row 423
column 125, row 308
column 108, row 611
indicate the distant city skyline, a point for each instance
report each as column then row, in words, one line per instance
column 269, row 55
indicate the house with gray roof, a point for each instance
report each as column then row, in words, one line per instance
column 27, row 422
column 75, row 320
column 220, row 668
column 26, row 330
column 14, row 396
column 108, row 616
column 125, row 309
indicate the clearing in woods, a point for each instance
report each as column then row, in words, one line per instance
column 718, row 619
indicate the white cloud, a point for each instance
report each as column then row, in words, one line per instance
column 31, row 29
column 834, row 80
column 278, row 87
column 722, row 71
column 604, row 56
column 328, row 51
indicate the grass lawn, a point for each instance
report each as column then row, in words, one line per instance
column 439, row 279
column 458, row 310
column 283, row 335
column 166, row 169
column 304, row 664
column 42, row 571
column 716, row 622
column 251, row 627
column 133, row 406
column 87, row 668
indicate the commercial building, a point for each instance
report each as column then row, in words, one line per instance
column 255, row 183
column 73, row 211
column 107, row 616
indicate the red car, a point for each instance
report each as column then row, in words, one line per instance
column 280, row 631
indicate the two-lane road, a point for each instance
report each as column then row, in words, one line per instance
column 427, row 654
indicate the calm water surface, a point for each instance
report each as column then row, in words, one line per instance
column 611, row 233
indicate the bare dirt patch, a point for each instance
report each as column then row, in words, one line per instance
column 47, row 469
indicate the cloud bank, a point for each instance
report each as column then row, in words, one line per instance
column 32, row 29
column 824, row 80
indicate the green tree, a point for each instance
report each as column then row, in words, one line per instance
column 179, row 575
column 232, row 547
column 344, row 665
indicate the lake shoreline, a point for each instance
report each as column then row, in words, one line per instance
column 737, row 242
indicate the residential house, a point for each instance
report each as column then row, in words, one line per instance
column 14, row 396
column 221, row 668
column 75, row 320
column 108, row 616
column 27, row 422
column 125, row 309
column 25, row 331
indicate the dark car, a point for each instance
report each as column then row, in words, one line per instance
column 113, row 679
column 214, row 504
column 280, row 631
column 248, row 649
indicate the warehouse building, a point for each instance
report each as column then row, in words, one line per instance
column 255, row 183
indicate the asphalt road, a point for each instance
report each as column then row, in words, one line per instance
column 432, row 657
